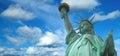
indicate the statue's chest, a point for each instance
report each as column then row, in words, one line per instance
column 80, row 46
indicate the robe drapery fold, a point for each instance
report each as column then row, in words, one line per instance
column 84, row 45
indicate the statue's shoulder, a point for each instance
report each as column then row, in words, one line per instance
column 97, row 36
column 72, row 36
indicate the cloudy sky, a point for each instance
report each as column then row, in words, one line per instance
column 34, row 27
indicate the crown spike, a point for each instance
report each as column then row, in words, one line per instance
column 87, row 15
column 92, row 18
column 81, row 17
column 77, row 22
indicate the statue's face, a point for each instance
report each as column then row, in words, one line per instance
column 85, row 27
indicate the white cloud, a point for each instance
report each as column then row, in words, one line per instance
column 45, row 10
column 45, row 51
column 1, row 49
column 25, row 34
column 38, row 5
column 34, row 34
column 100, row 17
column 12, row 52
column 15, row 40
column 49, row 44
column 82, row 4
column 31, row 50
column 51, row 39
column 15, row 12
column 31, row 33
column 117, row 46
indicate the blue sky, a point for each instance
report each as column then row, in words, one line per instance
column 27, row 26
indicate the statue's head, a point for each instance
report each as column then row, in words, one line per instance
column 86, row 27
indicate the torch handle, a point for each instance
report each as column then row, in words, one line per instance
column 63, row 13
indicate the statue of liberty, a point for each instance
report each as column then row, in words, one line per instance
column 88, row 43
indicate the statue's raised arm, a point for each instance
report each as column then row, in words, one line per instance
column 64, row 9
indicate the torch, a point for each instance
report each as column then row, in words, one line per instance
column 63, row 9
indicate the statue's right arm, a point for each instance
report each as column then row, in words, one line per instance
column 67, row 23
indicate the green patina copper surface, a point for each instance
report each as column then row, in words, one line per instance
column 85, row 42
